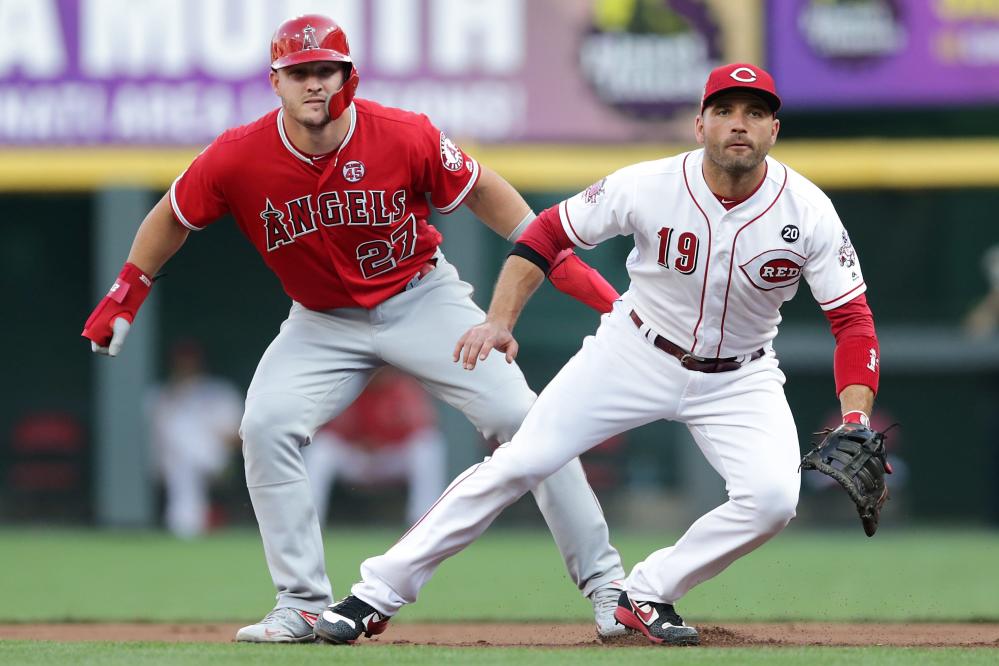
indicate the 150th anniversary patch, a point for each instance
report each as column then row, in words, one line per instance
column 593, row 193
column 774, row 269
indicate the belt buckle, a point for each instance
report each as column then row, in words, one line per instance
column 686, row 357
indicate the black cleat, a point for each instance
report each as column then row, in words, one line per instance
column 343, row 623
column 659, row 622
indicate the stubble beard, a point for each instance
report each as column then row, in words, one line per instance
column 737, row 165
column 313, row 123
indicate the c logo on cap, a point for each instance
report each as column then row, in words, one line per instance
column 743, row 75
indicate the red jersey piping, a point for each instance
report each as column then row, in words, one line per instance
column 731, row 261
column 707, row 260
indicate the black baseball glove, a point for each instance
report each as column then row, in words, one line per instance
column 854, row 455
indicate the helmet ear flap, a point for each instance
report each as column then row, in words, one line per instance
column 338, row 102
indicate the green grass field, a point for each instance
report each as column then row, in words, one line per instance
column 90, row 576
column 142, row 654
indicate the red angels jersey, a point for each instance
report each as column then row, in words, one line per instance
column 347, row 229
column 713, row 280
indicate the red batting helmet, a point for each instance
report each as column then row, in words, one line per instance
column 312, row 38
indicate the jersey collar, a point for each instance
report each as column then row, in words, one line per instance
column 761, row 198
column 302, row 156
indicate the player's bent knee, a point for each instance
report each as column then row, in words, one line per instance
column 776, row 507
column 515, row 468
column 273, row 430
column 772, row 505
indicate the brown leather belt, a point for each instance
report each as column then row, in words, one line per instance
column 697, row 363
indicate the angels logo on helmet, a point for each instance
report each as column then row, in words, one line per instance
column 309, row 40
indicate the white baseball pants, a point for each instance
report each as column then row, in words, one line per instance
column 320, row 362
column 616, row 382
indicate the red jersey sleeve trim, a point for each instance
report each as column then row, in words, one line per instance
column 464, row 193
column 843, row 298
column 570, row 231
column 176, row 207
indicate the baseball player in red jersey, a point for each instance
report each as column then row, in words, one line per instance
column 334, row 192
column 722, row 236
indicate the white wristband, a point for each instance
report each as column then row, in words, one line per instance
column 515, row 234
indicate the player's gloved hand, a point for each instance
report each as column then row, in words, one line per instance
column 478, row 341
column 855, row 457
column 119, row 328
column 111, row 320
column 573, row 276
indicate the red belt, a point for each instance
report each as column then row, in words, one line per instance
column 697, row 363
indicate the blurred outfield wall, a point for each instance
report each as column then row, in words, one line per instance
column 902, row 136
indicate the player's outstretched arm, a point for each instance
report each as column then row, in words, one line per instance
column 517, row 281
column 502, row 209
column 574, row 277
column 856, row 360
column 158, row 238
column 499, row 205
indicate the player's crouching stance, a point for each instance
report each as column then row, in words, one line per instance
column 335, row 193
column 690, row 341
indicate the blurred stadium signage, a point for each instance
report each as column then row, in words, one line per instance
column 177, row 72
column 646, row 58
column 835, row 53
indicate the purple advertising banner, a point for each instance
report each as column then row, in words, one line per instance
column 179, row 72
column 850, row 53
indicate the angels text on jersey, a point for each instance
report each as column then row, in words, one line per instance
column 306, row 214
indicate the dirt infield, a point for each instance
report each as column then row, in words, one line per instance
column 550, row 635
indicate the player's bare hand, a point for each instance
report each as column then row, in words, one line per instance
column 478, row 341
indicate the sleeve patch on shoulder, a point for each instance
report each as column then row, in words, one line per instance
column 593, row 193
column 847, row 255
column 451, row 155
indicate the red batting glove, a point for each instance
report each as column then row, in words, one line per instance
column 571, row 275
column 122, row 302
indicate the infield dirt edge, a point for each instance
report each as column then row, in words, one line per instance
column 551, row 635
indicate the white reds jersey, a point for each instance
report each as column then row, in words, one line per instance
column 713, row 280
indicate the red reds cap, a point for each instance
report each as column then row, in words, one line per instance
column 741, row 76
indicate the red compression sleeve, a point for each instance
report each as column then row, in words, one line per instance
column 571, row 275
column 545, row 235
column 567, row 272
column 857, row 359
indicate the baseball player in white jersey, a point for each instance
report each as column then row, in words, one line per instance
column 723, row 236
column 334, row 192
